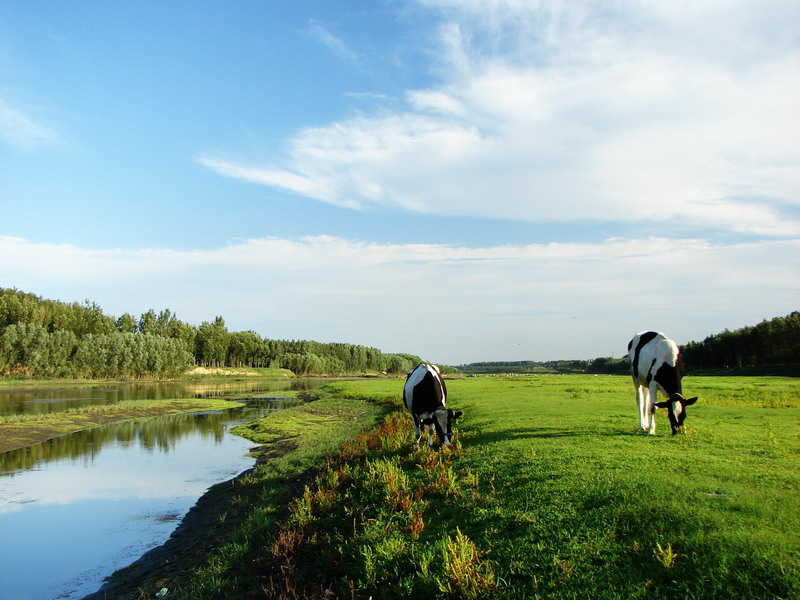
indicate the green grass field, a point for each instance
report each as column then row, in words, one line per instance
column 551, row 492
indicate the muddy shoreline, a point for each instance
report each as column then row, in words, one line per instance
column 200, row 531
column 172, row 564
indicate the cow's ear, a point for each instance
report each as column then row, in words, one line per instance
column 457, row 414
column 661, row 404
column 690, row 401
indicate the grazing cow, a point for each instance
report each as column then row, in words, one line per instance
column 656, row 365
column 424, row 395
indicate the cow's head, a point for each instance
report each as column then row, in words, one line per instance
column 442, row 419
column 677, row 410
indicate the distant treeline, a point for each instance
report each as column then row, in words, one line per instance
column 47, row 338
column 526, row 366
column 617, row 366
column 773, row 344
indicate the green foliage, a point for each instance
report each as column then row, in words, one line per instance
column 520, row 367
column 21, row 307
column 362, row 526
column 553, row 493
column 770, row 343
column 31, row 350
column 19, row 431
column 44, row 338
column 212, row 343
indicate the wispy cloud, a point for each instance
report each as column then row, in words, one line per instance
column 19, row 129
column 571, row 110
column 335, row 44
column 447, row 303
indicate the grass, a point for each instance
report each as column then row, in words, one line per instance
column 551, row 492
column 593, row 504
column 19, row 431
column 228, row 561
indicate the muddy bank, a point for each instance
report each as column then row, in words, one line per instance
column 206, row 526
column 294, row 444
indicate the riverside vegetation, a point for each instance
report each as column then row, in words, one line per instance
column 22, row 430
column 551, row 492
column 46, row 338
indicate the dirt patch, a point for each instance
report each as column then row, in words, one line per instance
column 221, row 371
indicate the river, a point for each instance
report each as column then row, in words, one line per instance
column 76, row 508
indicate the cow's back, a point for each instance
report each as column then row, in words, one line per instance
column 653, row 355
column 425, row 390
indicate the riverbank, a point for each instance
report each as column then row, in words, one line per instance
column 20, row 431
column 193, row 374
column 293, row 445
column 542, row 497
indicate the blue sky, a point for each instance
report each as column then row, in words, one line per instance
column 464, row 180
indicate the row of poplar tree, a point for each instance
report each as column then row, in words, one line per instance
column 47, row 338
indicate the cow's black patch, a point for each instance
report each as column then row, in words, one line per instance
column 669, row 378
column 428, row 395
column 650, row 372
column 644, row 339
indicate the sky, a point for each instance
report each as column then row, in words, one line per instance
column 464, row 180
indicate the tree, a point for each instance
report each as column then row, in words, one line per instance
column 147, row 322
column 126, row 323
column 212, row 343
column 243, row 349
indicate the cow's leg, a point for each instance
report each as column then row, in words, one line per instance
column 651, row 405
column 417, row 430
column 642, row 403
column 431, row 430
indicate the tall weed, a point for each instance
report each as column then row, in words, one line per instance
column 372, row 512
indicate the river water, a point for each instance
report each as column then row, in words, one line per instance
column 78, row 507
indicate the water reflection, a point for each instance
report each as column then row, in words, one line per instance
column 45, row 400
column 80, row 506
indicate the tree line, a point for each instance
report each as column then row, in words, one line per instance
column 48, row 338
column 519, row 367
column 772, row 344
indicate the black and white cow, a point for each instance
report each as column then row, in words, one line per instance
column 656, row 366
column 424, row 395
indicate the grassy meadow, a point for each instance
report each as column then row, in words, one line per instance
column 551, row 492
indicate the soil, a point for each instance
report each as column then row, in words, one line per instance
column 172, row 564
column 222, row 371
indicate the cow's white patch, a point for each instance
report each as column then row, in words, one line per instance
column 442, row 416
column 676, row 409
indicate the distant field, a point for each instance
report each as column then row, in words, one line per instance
column 551, row 493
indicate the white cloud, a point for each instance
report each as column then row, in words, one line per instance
column 447, row 303
column 20, row 130
column 567, row 110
